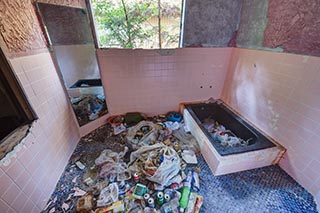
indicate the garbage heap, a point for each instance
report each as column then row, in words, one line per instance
column 222, row 135
column 160, row 176
column 88, row 107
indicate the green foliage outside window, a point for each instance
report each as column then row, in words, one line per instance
column 136, row 23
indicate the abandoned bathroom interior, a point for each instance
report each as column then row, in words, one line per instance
column 229, row 87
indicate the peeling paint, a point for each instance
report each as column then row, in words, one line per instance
column 273, row 116
column 19, row 145
column 13, row 154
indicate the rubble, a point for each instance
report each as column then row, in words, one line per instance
column 78, row 192
column 65, row 206
column 80, row 165
column 141, row 167
column 85, row 204
column 74, row 180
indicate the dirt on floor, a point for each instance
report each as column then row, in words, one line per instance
column 100, row 166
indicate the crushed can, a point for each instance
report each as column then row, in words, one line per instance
column 136, row 177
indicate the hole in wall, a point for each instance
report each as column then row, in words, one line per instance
column 201, row 87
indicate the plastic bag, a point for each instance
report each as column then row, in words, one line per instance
column 108, row 156
column 186, row 140
column 112, row 164
column 159, row 163
column 144, row 133
column 108, row 195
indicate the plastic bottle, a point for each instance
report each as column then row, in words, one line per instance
column 170, row 207
column 185, row 193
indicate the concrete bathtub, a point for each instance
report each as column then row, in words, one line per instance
column 259, row 150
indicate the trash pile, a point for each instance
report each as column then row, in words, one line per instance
column 155, row 173
column 88, row 107
column 223, row 136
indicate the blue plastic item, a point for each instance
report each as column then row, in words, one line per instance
column 174, row 117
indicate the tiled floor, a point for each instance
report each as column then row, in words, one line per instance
column 267, row 189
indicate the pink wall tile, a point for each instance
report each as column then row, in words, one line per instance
column 55, row 128
column 35, row 194
column 19, row 202
column 279, row 93
column 6, row 182
column 11, row 194
column 3, row 206
column 84, row 130
column 23, row 179
column 145, row 81
column 10, row 210
column 28, row 206
column 15, row 170
column 30, row 186
column 35, row 209
column 25, row 157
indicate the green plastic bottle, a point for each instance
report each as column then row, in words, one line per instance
column 185, row 193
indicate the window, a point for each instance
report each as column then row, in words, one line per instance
column 15, row 112
column 137, row 23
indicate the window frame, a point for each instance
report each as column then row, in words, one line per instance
column 96, row 40
column 22, row 105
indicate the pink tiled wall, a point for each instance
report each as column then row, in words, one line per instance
column 152, row 82
column 28, row 180
column 279, row 93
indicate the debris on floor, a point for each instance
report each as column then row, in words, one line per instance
column 144, row 133
column 85, row 204
column 154, row 167
column 147, row 175
column 80, row 165
column 88, row 107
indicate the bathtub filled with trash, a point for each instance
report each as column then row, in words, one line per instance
column 227, row 132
